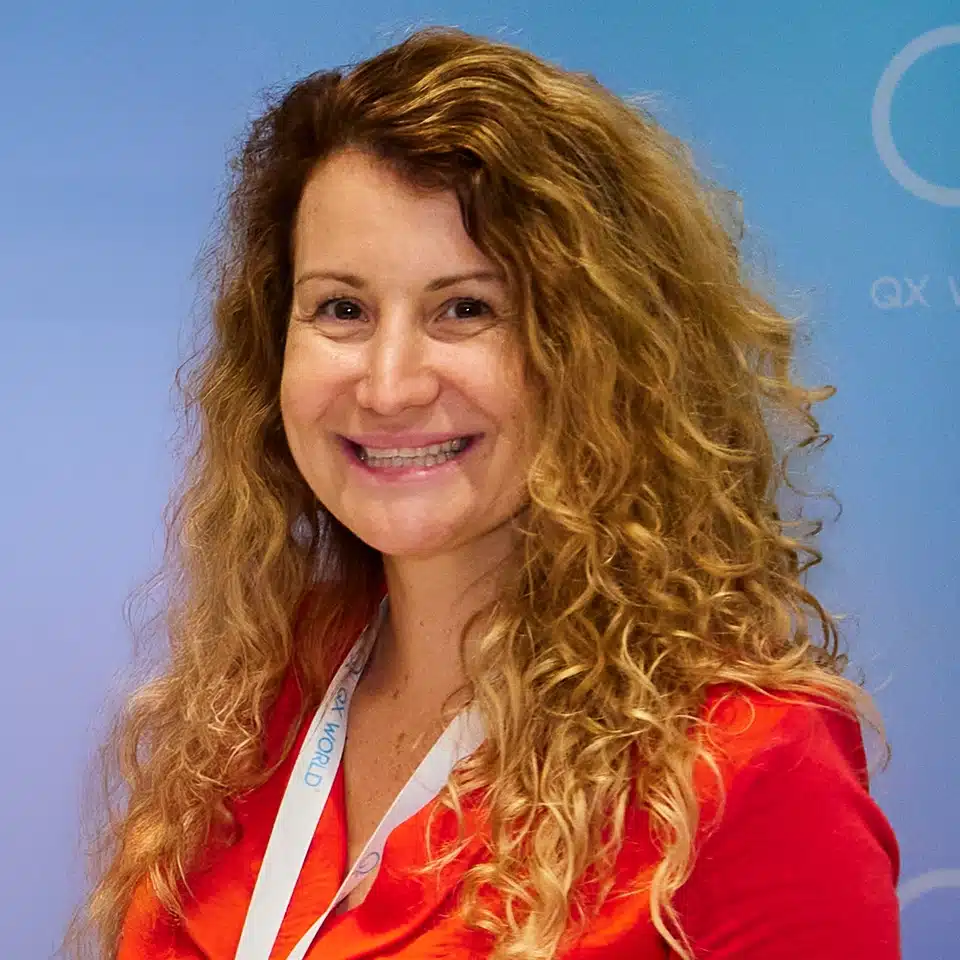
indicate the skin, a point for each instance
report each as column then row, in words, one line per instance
column 395, row 355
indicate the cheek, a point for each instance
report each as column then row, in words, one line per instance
column 514, row 399
column 294, row 399
column 520, row 423
column 306, row 385
column 496, row 376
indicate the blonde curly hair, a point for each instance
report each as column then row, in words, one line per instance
column 652, row 562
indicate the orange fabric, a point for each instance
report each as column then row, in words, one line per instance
column 803, row 864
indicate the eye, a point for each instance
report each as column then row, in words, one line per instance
column 476, row 308
column 322, row 309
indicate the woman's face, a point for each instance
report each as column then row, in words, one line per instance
column 399, row 339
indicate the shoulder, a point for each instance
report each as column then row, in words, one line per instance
column 793, row 857
column 748, row 731
column 800, row 754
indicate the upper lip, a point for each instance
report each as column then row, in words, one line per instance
column 401, row 441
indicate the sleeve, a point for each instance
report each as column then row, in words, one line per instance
column 803, row 862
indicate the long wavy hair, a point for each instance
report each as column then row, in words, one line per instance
column 652, row 561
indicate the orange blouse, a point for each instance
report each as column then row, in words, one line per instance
column 802, row 865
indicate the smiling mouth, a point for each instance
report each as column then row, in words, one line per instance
column 434, row 455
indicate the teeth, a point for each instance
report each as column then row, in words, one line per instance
column 450, row 446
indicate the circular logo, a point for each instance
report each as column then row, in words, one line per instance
column 368, row 862
column 880, row 117
column 927, row 883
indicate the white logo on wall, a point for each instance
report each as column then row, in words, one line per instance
column 908, row 178
column 927, row 883
column 902, row 292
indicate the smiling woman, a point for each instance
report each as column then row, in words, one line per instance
column 487, row 638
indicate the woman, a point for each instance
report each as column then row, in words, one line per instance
column 486, row 475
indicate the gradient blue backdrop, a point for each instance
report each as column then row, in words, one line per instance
column 116, row 128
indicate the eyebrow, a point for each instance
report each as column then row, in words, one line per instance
column 438, row 284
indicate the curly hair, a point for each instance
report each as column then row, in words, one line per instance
column 652, row 561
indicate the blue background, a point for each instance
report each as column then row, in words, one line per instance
column 117, row 123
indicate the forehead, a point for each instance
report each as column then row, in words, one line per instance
column 355, row 206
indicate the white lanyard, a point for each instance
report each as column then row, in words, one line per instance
column 308, row 790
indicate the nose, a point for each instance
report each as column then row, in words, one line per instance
column 398, row 371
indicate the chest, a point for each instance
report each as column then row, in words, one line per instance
column 384, row 748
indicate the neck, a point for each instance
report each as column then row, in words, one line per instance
column 418, row 655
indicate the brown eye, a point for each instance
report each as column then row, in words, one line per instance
column 341, row 311
column 474, row 308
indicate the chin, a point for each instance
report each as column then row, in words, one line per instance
column 406, row 544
